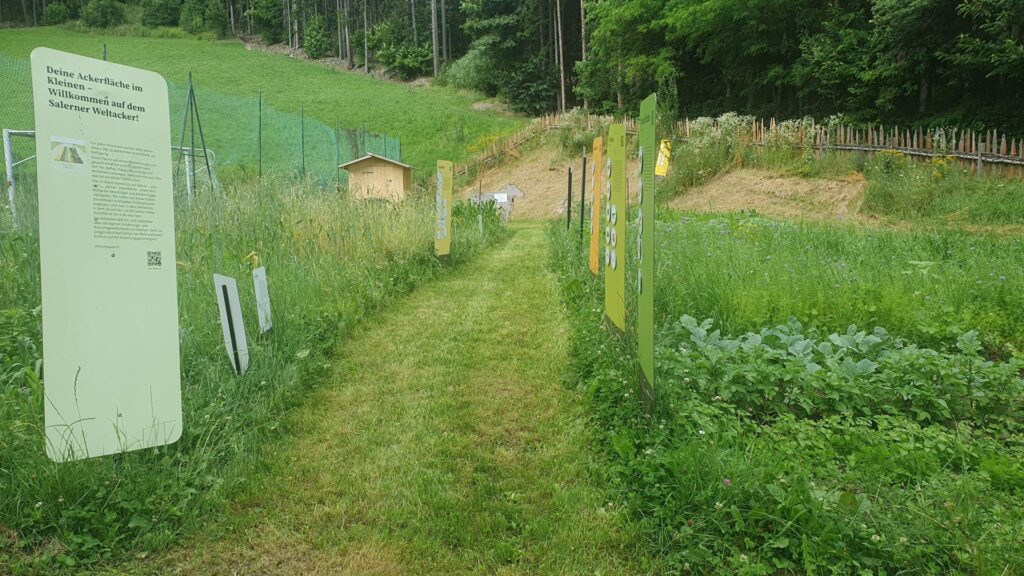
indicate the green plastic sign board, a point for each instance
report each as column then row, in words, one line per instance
column 443, row 209
column 615, row 230
column 106, row 240
column 645, row 239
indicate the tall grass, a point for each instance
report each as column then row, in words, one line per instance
column 331, row 262
column 931, row 286
column 780, row 446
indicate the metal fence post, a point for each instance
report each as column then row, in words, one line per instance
column 583, row 196
column 568, row 202
column 259, row 133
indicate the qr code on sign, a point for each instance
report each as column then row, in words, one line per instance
column 154, row 259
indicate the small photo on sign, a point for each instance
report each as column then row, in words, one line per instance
column 67, row 151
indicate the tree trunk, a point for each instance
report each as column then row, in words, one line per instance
column 618, row 88
column 341, row 45
column 288, row 20
column 561, row 55
column 433, row 37
column 922, row 106
column 366, row 40
column 444, row 28
column 415, row 34
column 583, row 39
column 231, row 12
column 348, row 35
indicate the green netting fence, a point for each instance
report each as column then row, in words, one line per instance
column 236, row 130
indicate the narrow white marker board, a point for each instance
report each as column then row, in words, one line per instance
column 501, row 198
column 259, row 282
column 231, row 322
column 106, row 240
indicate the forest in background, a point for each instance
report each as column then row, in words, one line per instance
column 927, row 62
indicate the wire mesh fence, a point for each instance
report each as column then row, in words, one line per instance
column 242, row 134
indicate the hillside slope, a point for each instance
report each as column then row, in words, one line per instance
column 432, row 122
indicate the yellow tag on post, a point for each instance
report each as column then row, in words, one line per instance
column 664, row 158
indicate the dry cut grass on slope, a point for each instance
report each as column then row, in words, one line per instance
column 778, row 196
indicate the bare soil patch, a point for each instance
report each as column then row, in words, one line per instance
column 542, row 175
column 778, row 196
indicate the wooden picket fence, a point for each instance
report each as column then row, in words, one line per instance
column 978, row 149
column 982, row 151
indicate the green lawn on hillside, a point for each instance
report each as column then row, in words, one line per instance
column 432, row 122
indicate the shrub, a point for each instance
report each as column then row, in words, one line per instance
column 474, row 71
column 198, row 16
column 102, row 13
column 56, row 13
column 532, row 87
column 161, row 12
column 266, row 20
column 317, row 41
column 395, row 51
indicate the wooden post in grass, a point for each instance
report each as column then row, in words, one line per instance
column 568, row 202
column 259, row 133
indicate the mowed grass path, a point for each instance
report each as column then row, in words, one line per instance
column 445, row 444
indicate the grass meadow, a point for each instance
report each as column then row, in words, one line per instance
column 432, row 122
column 832, row 398
column 331, row 261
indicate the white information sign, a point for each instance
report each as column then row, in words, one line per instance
column 106, row 239
column 501, row 198
column 231, row 322
column 259, row 281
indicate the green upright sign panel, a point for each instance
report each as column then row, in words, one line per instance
column 645, row 239
column 106, row 241
column 615, row 229
column 443, row 209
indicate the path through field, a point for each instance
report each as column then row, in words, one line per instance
column 445, row 444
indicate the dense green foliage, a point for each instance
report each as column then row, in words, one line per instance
column 56, row 13
column 198, row 16
column 102, row 13
column 161, row 12
column 331, row 263
column 317, row 42
column 938, row 62
column 777, row 447
column 396, row 51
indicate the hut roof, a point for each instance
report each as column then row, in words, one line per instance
column 369, row 156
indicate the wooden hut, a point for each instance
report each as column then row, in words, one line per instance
column 374, row 176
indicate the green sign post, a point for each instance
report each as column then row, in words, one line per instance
column 106, row 241
column 615, row 230
column 645, row 241
column 443, row 209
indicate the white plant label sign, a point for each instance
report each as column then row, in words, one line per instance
column 231, row 322
column 259, row 282
column 106, row 239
